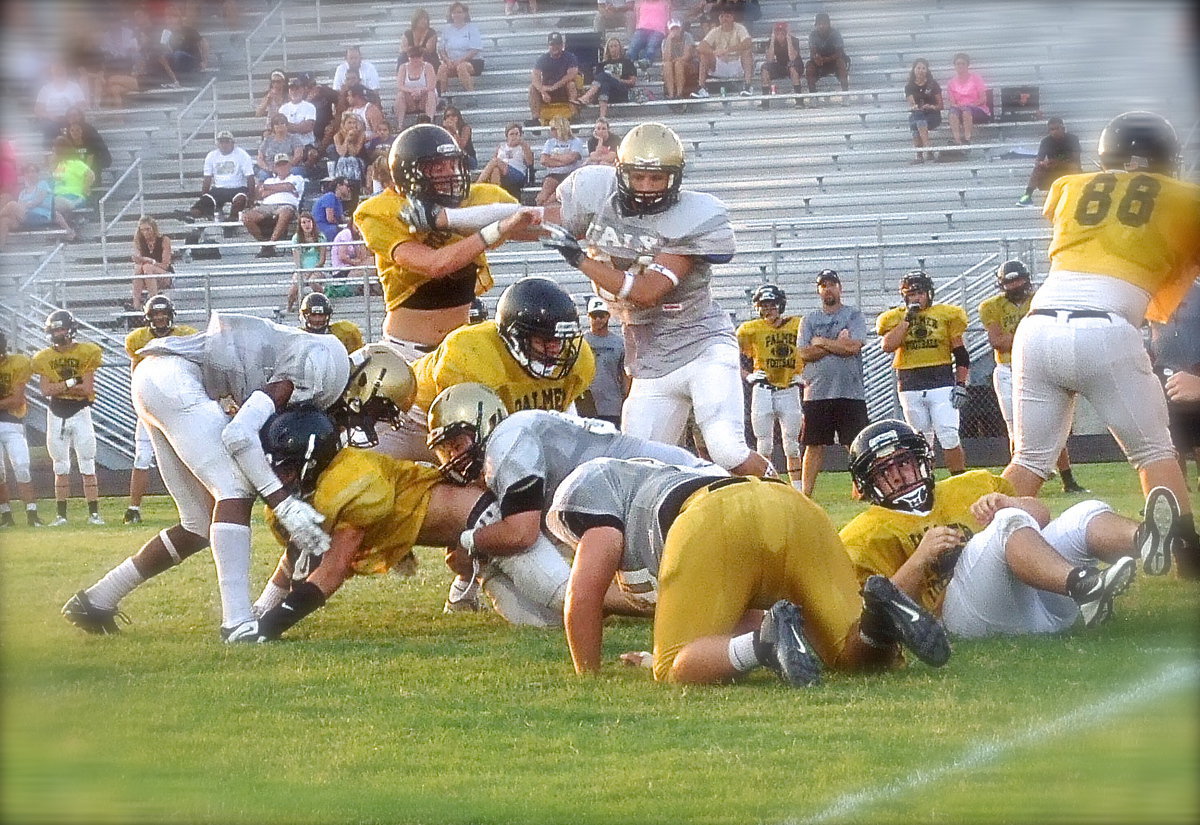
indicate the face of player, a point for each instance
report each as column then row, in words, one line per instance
column 649, row 180
column 917, row 296
column 442, row 172
column 451, row 449
column 1017, row 290
column 160, row 321
column 546, row 350
column 768, row 311
column 60, row 338
column 316, row 321
column 897, row 474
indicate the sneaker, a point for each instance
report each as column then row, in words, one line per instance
column 700, row 93
column 1076, row 488
column 132, row 516
column 745, row 93
column 781, row 646
column 246, row 632
column 31, row 518
column 59, row 521
column 80, row 612
column 906, row 621
column 94, row 518
column 184, row 215
column 1152, row 541
column 1025, row 200
column 1095, row 591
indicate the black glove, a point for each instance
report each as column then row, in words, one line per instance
column 557, row 237
column 958, row 397
column 911, row 314
column 419, row 215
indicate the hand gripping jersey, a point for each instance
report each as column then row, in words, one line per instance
column 927, row 342
column 772, row 349
column 477, row 353
column 1139, row 227
column 76, row 361
column 386, row 497
column 15, row 369
column 662, row 338
column 880, row 540
column 239, row 354
column 999, row 310
column 141, row 336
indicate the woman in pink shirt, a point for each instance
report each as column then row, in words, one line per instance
column 651, row 29
column 967, row 94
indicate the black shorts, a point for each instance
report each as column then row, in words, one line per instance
column 222, row 196
column 1185, row 427
column 780, row 71
column 824, row 418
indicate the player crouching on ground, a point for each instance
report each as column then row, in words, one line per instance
column 988, row 561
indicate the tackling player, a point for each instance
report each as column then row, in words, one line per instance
column 987, row 561
column 1126, row 247
column 15, row 371
column 160, row 322
column 66, row 373
column 771, row 366
column 931, row 363
column 316, row 310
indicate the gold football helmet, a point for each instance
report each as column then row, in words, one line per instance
column 470, row 409
column 382, row 388
column 649, row 147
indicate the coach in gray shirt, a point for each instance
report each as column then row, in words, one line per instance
column 611, row 384
column 830, row 342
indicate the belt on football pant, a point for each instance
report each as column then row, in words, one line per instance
column 1072, row 314
column 681, row 495
column 768, row 385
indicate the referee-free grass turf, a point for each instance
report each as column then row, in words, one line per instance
column 380, row 709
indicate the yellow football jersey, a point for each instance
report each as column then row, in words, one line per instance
column 772, row 349
column 477, row 353
column 386, row 497
column 348, row 333
column 999, row 310
column 880, row 540
column 141, row 336
column 383, row 231
column 15, row 369
column 1139, row 227
column 75, row 362
column 928, row 340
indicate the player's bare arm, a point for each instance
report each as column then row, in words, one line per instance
column 937, row 541
column 893, row 339
column 511, row 535
column 440, row 263
column 596, row 560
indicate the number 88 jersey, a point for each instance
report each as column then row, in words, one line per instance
column 1140, row 227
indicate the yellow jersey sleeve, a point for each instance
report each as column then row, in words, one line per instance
column 581, row 375
column 927, row 343
column 889, row 320
column 955, row 319
column 15, row 370
column 1139, row 227
column 348, row 333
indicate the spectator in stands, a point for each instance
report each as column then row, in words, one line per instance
column 726, row 53
column 324, row 101
column 745, row 12
column 376, row 131
column 924, row 97
column 228, row 179
column 615, row 14
column 782, row 61
column 81, row 48
column 460, row 49
column 510, row 165
column 185, row 49
column 73, row 182
column 152, row 265
column 453, row 122
column 281, row 195
column 33, row 207
column 349, row 150
column 614, row 77
column 314, row 166
column 309, row 258
column 59, row 94
column 301, row 115
column 349, row 256
column 968, row 100
column 276, row 96
column 562, row 155
column 379, row 174
column 416, row 87
column 330, row 211
column 1058, row 155
column 279, row 141
column 1175, row 351
column 368, row 75
column 602, row 145
column 86, row 141
column 650, row 30
column 420, row 36
column 121, row 59
column 680, row 68
column 826, row 55
column 555, row 78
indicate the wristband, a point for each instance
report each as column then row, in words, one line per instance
column 71, row 382
column 627, row 287
column 467, row 541
column 490, row 234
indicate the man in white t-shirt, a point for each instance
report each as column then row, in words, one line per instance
column 368, row 75
column 726, row 53
column 301, row 115
column 280, row 200
column 59, row 94
column 228, row 179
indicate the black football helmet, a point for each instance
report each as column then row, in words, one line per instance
column 1139, row 140
column 770, row 294
column 414, row 150
column 61, row 326
column 917, row 280
column 649, row 147
column 315, row 312
column 1009, row 276
column 478, row 312
column 154, row 311
column 300, row 441
column 537, row 307
column 881, row 445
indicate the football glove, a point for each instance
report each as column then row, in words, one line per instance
column 797, row 381
column 911, row 314
column 558, row 238
column 958, row 397
column 756, row 377
column 420, row 216
column 303, row 526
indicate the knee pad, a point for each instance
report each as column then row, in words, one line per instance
column 948, row 437
column 87, row 467
column 21, row 473
column 62, row 467
column 1011, row 519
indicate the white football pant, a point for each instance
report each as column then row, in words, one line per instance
column 15, row 448
column 930, row 413
column 768, row 405
column 75, row 433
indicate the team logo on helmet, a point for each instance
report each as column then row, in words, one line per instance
column 539, row 325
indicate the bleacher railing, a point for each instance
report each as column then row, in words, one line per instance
column 138, row 195
column 253, row 37
column 210, row 116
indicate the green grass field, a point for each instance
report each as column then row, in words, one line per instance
column 380, row 709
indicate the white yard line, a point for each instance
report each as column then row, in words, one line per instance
column 1175, row 677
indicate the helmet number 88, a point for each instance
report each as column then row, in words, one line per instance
column 1133, row 210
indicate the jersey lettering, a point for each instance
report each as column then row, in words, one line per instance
column 550, row 398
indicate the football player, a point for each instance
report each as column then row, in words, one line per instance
column 1126, row 247
column 990, row 562
column 316, row 310
column 772, row 369
column 521, row 458
column 15, row 371
column 1000, row 315
column 931, row 363
column 66, row 373
column 159, row 313
column 430, row 274
column 648, row 248
column 723, row 552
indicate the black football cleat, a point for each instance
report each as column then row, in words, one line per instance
column 1152, row 541
column 904, row 621
column 781, row 646
column 80, row 612
column 132, row 516
column 31, row 518
column 1095, row 591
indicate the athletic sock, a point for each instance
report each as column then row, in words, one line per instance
column 94, row 506
column 742, row 654
column 1068, row 478
column 463, row 589
column 271, row 597
column 304, row 599
column 116, row 585
column 231, row 552
column 5, row 507
column 61, row 506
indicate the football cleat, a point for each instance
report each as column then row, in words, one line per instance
column 132, row 516
column 1075, row 488
column 31, row 518
column 244, row 633
column 1096, row 590
column 1024, row 200
column 80, row 612
column 903, row 620
column 462, row 598
column 94, row 518
column 1152, row 541
column 59, row 521
column 780, row 645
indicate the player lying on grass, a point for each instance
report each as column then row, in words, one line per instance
column 987, row 561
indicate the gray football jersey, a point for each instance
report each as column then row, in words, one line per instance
column 662, row 338
column 239, row 354
column 549, row 445
column 631, row 491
